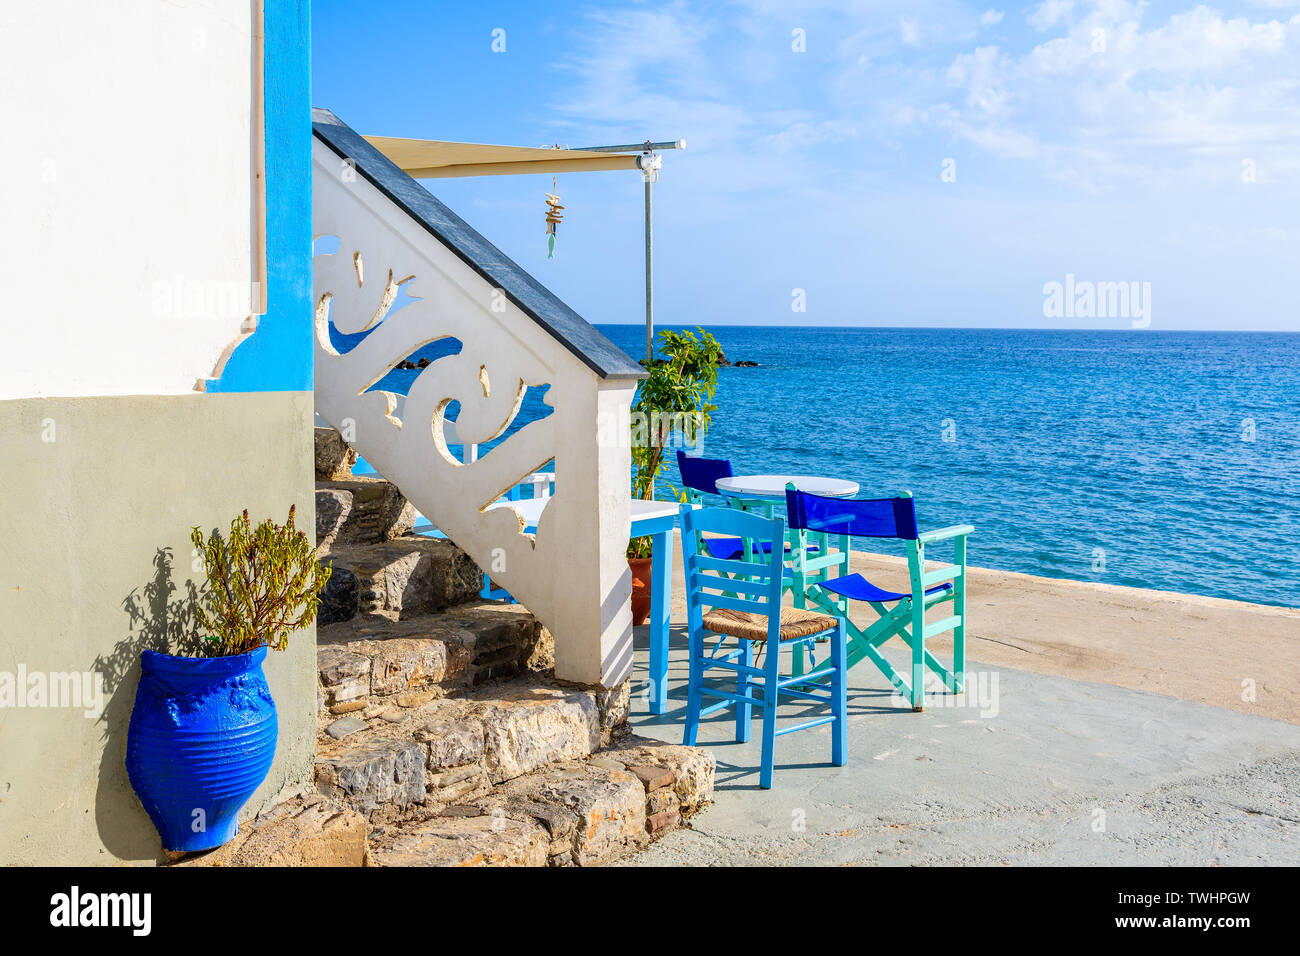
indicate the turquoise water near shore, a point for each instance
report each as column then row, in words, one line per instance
column 1166, row 460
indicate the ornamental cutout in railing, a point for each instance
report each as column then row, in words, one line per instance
column 570, row 573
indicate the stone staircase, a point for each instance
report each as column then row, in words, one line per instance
column 440, row 719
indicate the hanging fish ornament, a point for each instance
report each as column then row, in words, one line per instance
column 553, row 218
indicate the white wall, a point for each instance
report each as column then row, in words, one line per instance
column 131, row 232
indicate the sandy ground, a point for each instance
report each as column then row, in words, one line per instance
column 1195, row 648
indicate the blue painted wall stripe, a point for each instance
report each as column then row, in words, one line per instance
column 278, row 356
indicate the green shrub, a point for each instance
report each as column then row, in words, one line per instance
column 263, row 584
column 675, row 397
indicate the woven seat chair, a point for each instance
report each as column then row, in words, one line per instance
column 729, row 599
column 795, row 622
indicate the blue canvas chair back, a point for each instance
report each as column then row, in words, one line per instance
column 868, row 518
column 715, row 582
column 700, row 475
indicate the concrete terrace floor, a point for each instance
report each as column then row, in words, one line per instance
column 1045, row 771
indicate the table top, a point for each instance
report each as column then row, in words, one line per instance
column 530, row 509
column 773, row 486
column 648, row 510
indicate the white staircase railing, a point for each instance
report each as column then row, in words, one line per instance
column 571, row 573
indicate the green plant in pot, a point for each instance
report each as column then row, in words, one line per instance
column 673, row 404
column 203, row 730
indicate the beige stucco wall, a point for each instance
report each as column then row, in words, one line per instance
column 94, row 489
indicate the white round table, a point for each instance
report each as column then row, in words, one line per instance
column 773, row 486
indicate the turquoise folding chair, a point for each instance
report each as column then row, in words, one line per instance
column 901, row 614
column 743, row 599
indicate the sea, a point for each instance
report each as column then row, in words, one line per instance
column 1165, row 460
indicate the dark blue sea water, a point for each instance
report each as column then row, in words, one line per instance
column 1166, row 460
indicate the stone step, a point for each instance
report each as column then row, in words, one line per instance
column 415, row 755
column 572, row 812
column 358, row 511
column 371, row 662
column 304, row 831
column 397, row 579
column 354, row 510
column 334, row 457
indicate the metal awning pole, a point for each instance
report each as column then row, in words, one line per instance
column 649, row 280
column 646, row 147
column 649, row 172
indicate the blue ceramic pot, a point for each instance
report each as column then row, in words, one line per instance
column 201, row 740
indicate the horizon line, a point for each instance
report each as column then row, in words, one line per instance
column 948, row 328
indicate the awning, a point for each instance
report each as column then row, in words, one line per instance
column 436, row 159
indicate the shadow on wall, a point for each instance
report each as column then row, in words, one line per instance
column 158, row 619
column 619, row 660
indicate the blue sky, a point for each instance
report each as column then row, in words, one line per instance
column 1114, row 141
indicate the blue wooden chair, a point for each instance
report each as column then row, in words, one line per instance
column 902, row 614
column 743, row 601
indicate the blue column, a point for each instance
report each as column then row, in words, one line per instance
column 278, row 356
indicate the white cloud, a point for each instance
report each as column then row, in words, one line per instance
column 991, row 17
column 1050, row 13
column 812, row 161
column 672, row 71
column 1155, row 102
column 1187, row 97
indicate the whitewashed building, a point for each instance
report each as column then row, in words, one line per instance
column 159, row 375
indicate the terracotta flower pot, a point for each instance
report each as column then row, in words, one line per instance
column 640, row 589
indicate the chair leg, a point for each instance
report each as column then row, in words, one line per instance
column 693, row 690
column 799, row 589
column 839, row 697
column 918, row 655
column 865, row 645
column 959, row 609
column 489, row 593
column 744, row 712
column 950, row 681
column 771, row 699
column 959, row 655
